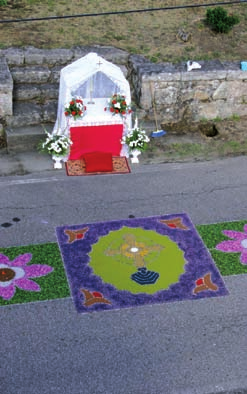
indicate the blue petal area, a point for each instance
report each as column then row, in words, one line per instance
column 144, row 277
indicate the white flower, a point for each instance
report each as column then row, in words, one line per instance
column 117, row 105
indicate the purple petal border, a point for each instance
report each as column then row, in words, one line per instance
column 80, row 275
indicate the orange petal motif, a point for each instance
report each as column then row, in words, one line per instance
column 91, row 298
column 175, row 223
column 205, row 283
column 75, row 235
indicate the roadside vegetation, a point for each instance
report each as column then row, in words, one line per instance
column 152, row 34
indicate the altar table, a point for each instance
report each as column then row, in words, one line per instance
column 99, row 138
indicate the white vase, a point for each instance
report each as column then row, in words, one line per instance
column 135, row 153
column 57, row 162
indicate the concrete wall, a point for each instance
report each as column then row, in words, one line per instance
column 29, row 82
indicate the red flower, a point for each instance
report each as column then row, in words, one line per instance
column 130, row 110
column 124, row 102
column 80, row 112
column 73, row 113
column 117, row 111
column 105, row 109
column 114, row 102
column 112, row 109
column 79, row 101
column 72, row 103
column 85, row 108
column 66, row 113
column 123, row 112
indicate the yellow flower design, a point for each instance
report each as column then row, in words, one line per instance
column 134, row 250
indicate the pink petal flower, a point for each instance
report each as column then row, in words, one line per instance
column 7, row 292
column 243, row 257
column 26, row 284
column 235, row 234
column 229, row 246
column 35, row 270
column 4, row 259
column 21, row 260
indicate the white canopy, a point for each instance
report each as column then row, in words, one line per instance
column 94, row 79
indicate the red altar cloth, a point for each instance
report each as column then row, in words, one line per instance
column 95, row 139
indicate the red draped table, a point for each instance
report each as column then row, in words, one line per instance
column 103, row 138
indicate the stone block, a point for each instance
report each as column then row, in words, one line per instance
column 47, row 56
column 49, row 111
column 111, row 54
column 230, row 90
column 31, row 74
column 14, row 56
column 166, row 96
column 55, row 74
column 219, row 108
column 200, row 75
column 233, row 75
column 6, row 89
column 24, row 139
column 24, row 113
column 27, row 92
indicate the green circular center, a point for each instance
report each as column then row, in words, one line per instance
column 118, row 255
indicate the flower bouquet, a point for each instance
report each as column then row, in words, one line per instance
column 137, row 142
column 118, row 105
column 55, row 144
column 136, row 139
column 75, row 108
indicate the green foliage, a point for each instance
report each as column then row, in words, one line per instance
column 3, row 2
column 219, row 21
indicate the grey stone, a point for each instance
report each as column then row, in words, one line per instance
column 111, row 54
column 55, row 74
column 47, row 56
column 40, row 92
column 31, row 74
column 49, row 111
column 14, row 56
column 6, row 88
column 25, row 113
column 230, row 90
column 201, row 75
column 27, row 92
column 26, row 138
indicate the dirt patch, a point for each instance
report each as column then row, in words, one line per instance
column 198, row 142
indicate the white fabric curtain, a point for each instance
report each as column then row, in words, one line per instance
column 95, row 80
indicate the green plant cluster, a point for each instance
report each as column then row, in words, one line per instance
column 3, row 2
column 219, row 21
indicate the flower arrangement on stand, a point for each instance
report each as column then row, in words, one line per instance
column 117, row 105
column 137, row 142
column 75, row 108
column 57, row 145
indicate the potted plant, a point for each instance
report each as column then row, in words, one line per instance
column 137, row 142
column 57, row 145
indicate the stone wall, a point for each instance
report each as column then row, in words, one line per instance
column 217, row 90
column 29, row 79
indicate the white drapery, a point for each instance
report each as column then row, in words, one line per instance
column 95, row 80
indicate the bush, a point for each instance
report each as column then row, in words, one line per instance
column 219, row 21
column 3, row 2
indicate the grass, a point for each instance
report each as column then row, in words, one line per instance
column 153, row 34
column 53, row 286
column 208, row 150
column 211, row 234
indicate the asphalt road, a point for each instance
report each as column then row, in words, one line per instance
column 190, row 347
